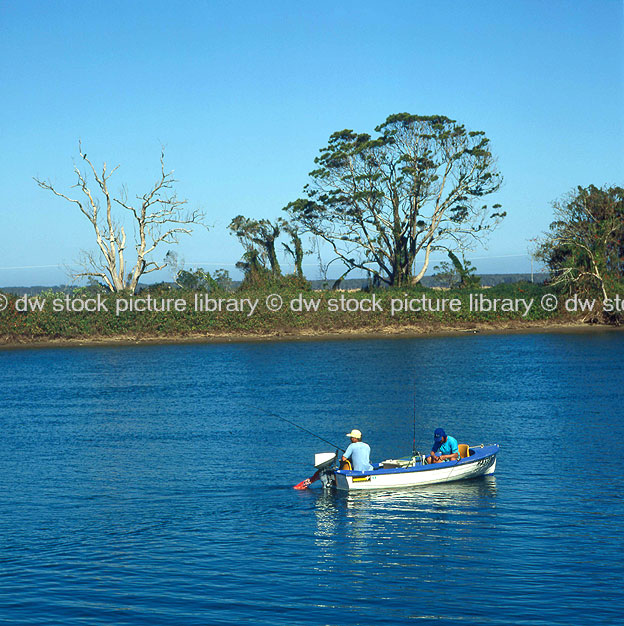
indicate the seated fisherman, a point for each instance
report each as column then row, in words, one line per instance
column 445, row 448
column 358, row 452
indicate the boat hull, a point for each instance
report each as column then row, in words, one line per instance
column 481, row 462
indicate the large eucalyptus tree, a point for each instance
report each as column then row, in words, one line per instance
column 415, row 186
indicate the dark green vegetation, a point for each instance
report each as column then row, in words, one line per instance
column 259, row 239
column 46, row 324
column 584, row 248
column 456, row 274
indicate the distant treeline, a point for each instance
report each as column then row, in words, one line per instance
column 487, row 280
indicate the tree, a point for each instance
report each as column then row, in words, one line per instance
column 197, row 280
column 295, row 249
column 466, row 272
column 584, row 249
column 258, row 238
column 457, row 274
column 254, row 270
column 159, row 217
column 223, row 280
column 414, row 187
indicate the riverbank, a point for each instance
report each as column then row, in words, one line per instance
column 407, row 332
column 179, row 316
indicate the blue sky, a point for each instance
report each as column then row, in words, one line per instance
column 244, row 94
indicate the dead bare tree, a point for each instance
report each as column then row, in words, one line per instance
column 159, row 217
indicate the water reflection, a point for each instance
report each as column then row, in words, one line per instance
column 403, row 526
column 454, row 494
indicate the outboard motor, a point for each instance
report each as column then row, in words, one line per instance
column 324, row 463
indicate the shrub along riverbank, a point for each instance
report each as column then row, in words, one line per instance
column 165, row 313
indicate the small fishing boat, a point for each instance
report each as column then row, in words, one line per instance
column 414, row 471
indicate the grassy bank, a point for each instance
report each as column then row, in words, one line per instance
column 174, row 313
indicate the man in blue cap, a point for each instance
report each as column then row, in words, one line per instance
column 445, row 448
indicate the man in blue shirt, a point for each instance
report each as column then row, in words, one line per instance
column 445, row 448
column 358, row 452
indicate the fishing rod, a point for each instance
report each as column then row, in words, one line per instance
column 415, row 453
column 414, row 440
column 305, row 430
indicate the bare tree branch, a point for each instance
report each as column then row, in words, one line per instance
column 158, row 217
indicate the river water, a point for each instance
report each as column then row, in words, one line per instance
column 153, row 485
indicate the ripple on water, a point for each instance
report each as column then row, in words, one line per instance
column 150, row 486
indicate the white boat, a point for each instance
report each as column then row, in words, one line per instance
column 475, row 461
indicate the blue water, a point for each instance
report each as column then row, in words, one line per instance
column 150, row 485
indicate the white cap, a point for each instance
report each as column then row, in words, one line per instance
column 355, row 433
